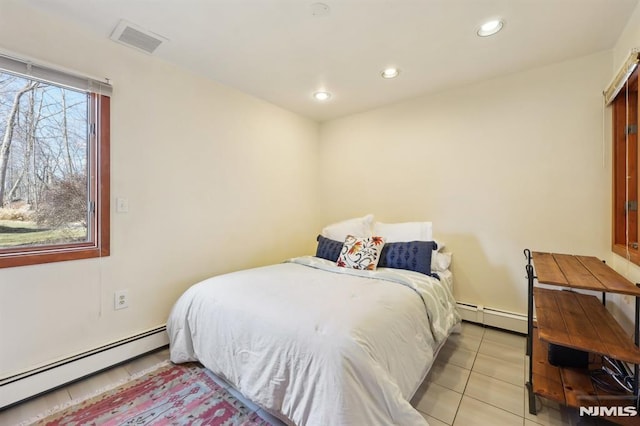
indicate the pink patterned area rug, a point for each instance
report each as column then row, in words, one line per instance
column 182, row 394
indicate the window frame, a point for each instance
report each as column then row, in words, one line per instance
column 624, row 220
column 99, row 176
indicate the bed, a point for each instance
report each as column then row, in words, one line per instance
column 318, row 344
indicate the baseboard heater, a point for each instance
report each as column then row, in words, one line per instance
column 493, row 317
column 28, row 384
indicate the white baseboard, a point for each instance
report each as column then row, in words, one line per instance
column 31, row 383
column 493, row 317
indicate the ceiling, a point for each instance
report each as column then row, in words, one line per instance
column 279, row 51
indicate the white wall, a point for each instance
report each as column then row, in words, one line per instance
column 507, row 164
column 629, row 39
column 216, row 181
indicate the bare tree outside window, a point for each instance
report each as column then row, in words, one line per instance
column 44, row 151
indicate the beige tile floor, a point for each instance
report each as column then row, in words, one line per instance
column 477, row 379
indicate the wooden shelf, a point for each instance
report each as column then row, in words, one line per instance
column 571, row 386
column 584, row 272
column 547, row 381
column 580, row 321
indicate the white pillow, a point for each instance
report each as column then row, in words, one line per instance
column 404, row 231
column 440, row 261
column 358, row 227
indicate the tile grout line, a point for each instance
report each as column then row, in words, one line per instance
column 494, row 378
column 475, row 355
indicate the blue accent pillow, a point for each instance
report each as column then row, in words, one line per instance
column 412, row 255
column 328, row 249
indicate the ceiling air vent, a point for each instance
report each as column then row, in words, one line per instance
column 133, row 36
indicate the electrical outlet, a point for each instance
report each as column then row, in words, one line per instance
column 121, row 299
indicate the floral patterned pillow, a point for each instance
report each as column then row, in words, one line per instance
column 360, row 253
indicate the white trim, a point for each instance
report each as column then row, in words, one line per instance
column 43, row 379
column 493, row 317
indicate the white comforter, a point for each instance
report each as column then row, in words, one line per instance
column 321, row 345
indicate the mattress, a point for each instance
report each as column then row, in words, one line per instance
column 315, row 343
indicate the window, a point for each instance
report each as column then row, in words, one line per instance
column 626, row 161
column 54, row 165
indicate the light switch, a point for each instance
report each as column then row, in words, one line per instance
column 122, row 205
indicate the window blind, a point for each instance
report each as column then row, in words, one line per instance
column 622, row 76
column 49, row 75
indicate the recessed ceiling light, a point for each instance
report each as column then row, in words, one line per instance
column 322, row 96
column 390, row 73
column 490, row 27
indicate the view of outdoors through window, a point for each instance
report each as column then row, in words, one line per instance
column 43, row 163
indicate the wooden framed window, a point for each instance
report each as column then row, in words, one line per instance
column 626, row 161
column 54, row 165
